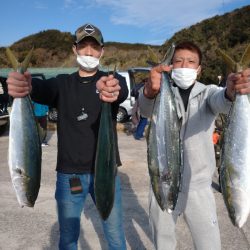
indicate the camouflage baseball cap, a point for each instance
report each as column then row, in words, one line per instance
column 89, row 30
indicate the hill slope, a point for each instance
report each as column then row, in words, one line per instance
column 230, row 32
column 53, row 48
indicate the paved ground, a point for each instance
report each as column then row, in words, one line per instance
column 37, row 228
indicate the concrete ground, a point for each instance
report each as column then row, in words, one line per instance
column 37, row 228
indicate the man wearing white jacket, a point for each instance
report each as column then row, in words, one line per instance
column 198, row 105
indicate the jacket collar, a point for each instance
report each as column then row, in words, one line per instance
column 197, row 89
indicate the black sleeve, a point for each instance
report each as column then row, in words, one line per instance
column 134, row 92
column 4, row 97
column 123, row 94
column 45, row 91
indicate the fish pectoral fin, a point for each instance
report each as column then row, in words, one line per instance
column 18, row 171
column 20, row 174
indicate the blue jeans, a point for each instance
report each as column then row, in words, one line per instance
column 70, row 207
column 140, row 127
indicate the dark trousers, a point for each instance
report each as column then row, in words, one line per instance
column 140, row 127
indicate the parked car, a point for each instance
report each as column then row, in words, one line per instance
column 5, row 105
column 125, row 108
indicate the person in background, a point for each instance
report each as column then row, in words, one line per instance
column 198, row 106
column 4, row 97
column 41, row 115
column 217, row 149
column 216, row 137
column 78, row 98
column 138, row 120
column 139, row 133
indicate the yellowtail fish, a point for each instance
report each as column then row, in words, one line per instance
column 24, row 144
column 164, row 145
column 235, row 161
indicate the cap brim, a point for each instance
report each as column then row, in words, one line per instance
column 79, row 40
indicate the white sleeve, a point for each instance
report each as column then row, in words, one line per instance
column 145, row 104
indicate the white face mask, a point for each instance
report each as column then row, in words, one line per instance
column 88, row 63
column 184, row 77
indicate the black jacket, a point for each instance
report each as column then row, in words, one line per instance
column 75, row 98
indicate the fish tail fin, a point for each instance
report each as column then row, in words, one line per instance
column 14, row 62
column 26, row 61
column 245, row 59
column 231, row 64
column 11, row 57
column 169, row 54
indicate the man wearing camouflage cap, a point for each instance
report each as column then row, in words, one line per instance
column 78, row 98
column 91, row 31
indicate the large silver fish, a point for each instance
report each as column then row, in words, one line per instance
column 164, row 146
column 235, row 162
column 24, row 144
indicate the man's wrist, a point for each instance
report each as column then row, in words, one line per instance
column 148, row 94
column 228, row 97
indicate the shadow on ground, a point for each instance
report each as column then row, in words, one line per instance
column 134, row 216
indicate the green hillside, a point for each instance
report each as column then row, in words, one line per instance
column 230, row 32
column 53, row 48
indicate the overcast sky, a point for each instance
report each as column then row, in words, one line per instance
column 132, row 21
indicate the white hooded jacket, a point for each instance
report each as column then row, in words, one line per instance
column 205, row 103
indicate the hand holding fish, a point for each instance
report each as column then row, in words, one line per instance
column 108, row 87
column 19, row 85
column 152, row 87
column 239, row 83
column 242, row 81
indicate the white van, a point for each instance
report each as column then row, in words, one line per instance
column 125, row 108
